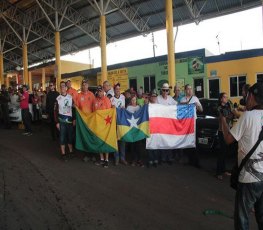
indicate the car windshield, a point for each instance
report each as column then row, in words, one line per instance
column 209, row 108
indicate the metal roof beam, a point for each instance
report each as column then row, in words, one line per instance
column 14, row 58
column 131, row 15
column 32, row 49
column 44, row 32
column 194, row 11
column 74, row 17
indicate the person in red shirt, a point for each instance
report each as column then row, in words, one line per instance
column 24, row 105
column 85, row 99
column 102, row 102
column 71, row 91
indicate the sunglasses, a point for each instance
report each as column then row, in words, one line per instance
column 165, row 90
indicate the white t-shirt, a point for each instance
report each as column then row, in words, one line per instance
column 168, row 101
column 133, row 109
column 193, row 100
column 65, row 104
column 110, row 92
column 118, row 102
column 246, row 132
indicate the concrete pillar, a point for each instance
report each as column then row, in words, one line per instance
column 170, row 43
column 58, row 62
column 43, row 79
column 103, row 48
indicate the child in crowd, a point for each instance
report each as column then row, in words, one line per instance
column 136, row 155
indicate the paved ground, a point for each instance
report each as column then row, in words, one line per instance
column 38, row 191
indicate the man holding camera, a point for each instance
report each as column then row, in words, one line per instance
column 24, row 105
column 249, row 193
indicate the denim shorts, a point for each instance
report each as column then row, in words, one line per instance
column 66, row 133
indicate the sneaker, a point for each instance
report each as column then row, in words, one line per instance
column 100, row 162
column 71, row 155
column 227, row 173
column 64, row 157
column 25, row 133
column 150, row 164
column 124, row 162
column 116, row 163
column 106, row 164
column 140, row 164
column 29, row 134
column 86, row 159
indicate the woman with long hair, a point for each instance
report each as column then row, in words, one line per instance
column 225, row 108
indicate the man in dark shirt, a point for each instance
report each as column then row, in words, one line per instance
column 4, row 99
column 50, row 102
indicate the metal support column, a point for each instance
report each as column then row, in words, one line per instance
column 170, row 43
column 103, row 48
column 25, row 64
column 58, row 62
column 43, row 79
column 30, row 86
column 2, row 68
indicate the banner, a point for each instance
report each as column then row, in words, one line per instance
column 132, row 127
column 171, row 127
column 96, row 132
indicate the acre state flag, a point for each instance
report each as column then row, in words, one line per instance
column 96, row 132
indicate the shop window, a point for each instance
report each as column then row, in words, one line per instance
column 236, row 84
column 133, row 83
column 149, row 83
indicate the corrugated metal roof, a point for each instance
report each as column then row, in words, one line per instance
column 80, row 22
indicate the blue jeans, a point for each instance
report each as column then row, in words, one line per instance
column 248, row 196
column 221, row 164
column 153, row 156
column 120, row 154
column 166, row 154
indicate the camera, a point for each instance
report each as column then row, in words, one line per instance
column 226, row 110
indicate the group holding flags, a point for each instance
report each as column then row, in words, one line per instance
column 110, row 125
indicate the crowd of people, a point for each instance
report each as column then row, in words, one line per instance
column 60, row 111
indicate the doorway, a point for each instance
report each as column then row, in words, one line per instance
column 214, row 89
column 199, row 87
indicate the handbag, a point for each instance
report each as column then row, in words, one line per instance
column 236, row 170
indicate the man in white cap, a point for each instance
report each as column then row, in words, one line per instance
column 165, row 98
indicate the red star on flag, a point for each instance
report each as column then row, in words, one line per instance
column 108, row 120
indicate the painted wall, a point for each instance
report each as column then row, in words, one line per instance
column 160, row 71
column 225, row 69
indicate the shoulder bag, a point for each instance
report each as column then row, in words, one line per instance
column 236, row 170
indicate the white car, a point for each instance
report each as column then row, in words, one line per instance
column 15, row 111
